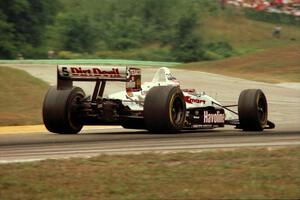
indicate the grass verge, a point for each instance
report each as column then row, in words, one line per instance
column 21, row 97
column 238, row 174
column 276, row 65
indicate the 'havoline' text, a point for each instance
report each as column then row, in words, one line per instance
column 213, row 118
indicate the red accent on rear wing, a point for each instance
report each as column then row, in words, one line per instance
column 92, row 73
column 66, row 74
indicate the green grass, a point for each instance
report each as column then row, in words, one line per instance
column 243, row 34
column 239, row 174
column 281, row 64
column 21, row 97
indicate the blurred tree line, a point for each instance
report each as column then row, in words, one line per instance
column 23, row 26
column 143, row 29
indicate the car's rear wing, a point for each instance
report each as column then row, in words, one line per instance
column 92, row 73
column 66, row 74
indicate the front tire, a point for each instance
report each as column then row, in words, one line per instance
column 164, row 109
column 60, row 110
column 253, row 110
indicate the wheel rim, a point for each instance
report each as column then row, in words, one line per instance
column 74, row 120
column 177, row 111
column 262, row 110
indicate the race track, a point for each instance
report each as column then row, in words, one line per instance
column 284, row 110
column 40, row 146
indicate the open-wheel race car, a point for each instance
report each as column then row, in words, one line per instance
column 159, row 105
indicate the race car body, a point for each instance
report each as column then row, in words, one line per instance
column 159, row 105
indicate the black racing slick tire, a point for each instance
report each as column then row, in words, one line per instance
column 60, row 110
column 253, row 110
column 164, row 109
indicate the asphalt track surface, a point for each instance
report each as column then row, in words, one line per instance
column 284, row 110
column 40, row 146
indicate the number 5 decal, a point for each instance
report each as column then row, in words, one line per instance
column 65, row 71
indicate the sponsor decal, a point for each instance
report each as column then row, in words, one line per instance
column 134, row 71
column 95, row 72
column 134, row 80
column 189, row 99
column 213, row 118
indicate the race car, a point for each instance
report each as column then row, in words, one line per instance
column 159, row 105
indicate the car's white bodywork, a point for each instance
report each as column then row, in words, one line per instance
column 159, row 105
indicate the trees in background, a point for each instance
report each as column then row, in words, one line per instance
column 187, row 46
column 102, row 27
column 23, row 26
column 78, row 34
column 125, row 25
column 7, row 45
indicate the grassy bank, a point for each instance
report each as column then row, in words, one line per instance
column 281, row 64
column 240, row 174
column 21, row 97
column 246, row 35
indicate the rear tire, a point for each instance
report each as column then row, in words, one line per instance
column 164, row 109
column 60, row 110
column 252, row 110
